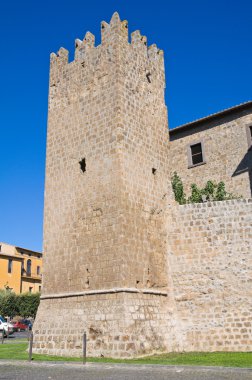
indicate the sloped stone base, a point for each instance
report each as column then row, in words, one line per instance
column 121, row 324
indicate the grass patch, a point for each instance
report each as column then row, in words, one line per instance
column 18, row 351
column 13, row 351
column 15, row 340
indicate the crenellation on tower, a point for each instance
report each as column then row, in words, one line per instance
column 58, row 62
column 139, row 42
column 115, row 30
column 117, row 27
column 63, row 55
column 83, row 48
column 114, row 38
column 89, row 39
column 78, row 43
column 154, row 52
column 104, row 31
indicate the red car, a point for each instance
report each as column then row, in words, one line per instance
column 18, row 326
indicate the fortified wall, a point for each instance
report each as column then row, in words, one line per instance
column 210, row 257
column 122, row 262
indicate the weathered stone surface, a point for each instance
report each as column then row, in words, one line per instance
column 122, row 262
column 103, row 224
column 227, row 157
column 119, row 325
column 210, row 255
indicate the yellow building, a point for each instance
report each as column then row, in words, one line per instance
column 20, row 269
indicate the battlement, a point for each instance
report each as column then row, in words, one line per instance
column 113, row 35
column 115, row 57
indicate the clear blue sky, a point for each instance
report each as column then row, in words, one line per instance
column 208, row 57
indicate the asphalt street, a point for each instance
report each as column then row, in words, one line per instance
column 15, row 337
column 51, row 371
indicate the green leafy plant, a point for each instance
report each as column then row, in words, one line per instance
column 210, row 192
column 178, row 189
column 196, row 195
column 221, row 193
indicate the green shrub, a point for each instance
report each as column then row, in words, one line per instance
column 178, row 189
column 211, row 192
column 28, row 304
column 12, row 304
column 8, row 304
column 196, row 196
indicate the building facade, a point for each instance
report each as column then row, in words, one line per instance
column 220, row 145
column 117, row 262
column 20, row 269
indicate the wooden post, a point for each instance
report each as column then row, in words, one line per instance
column 84, row 348
column 30, row 346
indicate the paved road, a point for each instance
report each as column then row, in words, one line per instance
column 50, row 371
column 19, row 334
column 15, row 337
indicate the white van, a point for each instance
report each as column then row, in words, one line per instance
column 6, row 327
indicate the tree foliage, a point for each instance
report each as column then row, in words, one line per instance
column 210, row 192
column 8, row 304
column 25, row 305
column 28, row 304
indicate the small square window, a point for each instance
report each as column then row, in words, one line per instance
column 195, row 154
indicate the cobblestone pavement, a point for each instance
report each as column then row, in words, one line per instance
column 51, row 371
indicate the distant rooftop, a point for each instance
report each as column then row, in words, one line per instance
column 214, row 116
column 28, row 250
column 20, row 248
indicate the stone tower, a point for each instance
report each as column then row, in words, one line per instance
column 105, row 258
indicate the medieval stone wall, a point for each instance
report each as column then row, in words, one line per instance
column 226, row 153
column 210, row 257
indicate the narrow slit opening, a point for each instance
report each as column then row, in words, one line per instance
column 83, row 165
